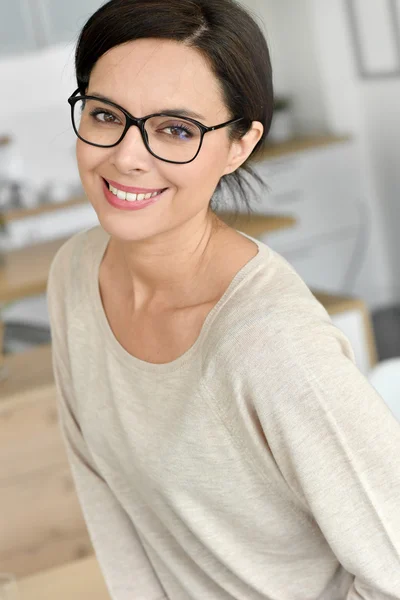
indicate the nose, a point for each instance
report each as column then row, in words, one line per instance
column 131, row 153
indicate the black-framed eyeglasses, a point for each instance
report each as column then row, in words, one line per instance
column 167, row 136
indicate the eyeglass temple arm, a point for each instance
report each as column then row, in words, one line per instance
column 225, row 124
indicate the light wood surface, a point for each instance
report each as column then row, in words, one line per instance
column 299, row 144
column 26, row 371
column 42, row 525
column 24, row 272
column 257, row 225
column 22, row 213
column 80, row 580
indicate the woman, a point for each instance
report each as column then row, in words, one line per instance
column 222, row 441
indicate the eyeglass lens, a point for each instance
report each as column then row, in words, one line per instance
column 169, row 138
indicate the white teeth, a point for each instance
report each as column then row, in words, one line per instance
column 131, row 197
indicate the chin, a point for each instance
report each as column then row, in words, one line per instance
column 126, row 230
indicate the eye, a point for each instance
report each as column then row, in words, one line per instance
column 181, row 131
column 102, row 116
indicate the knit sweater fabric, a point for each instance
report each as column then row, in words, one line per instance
column 259, row 465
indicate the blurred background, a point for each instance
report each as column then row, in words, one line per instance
column 332, row 166
column 337, row 81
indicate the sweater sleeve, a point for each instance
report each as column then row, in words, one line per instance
column 122, row 558
column 337, row 445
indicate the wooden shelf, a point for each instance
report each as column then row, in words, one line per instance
column 335, row 304
column 299, row 144
column 23, row 213
column 24, row 272
column 257, row 225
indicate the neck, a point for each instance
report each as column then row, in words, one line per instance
column 170, row 270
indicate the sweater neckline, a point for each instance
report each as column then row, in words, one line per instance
column 131, row 361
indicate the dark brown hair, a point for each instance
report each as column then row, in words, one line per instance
column 222, row 30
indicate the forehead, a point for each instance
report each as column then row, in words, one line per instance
column 147, row 74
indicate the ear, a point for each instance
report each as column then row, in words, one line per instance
column 241, row 149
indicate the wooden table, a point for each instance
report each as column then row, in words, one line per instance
column 80, row 580
column 45, row 527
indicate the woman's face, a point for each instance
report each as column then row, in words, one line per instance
column 148, row 76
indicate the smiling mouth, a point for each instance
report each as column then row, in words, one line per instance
column 130, row 197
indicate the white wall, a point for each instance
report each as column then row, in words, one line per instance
column 288, row 29
column 370, row 110
column 382, row 118
column 34, row 110
column 317, row 67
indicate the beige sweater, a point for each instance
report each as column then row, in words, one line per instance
column 260, row 465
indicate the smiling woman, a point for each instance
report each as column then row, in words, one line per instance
column 218, row 430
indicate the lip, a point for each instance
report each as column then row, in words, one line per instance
column 132, row 190
column 129, row 206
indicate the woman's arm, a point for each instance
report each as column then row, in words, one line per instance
column 338, row 447
column 122, row 558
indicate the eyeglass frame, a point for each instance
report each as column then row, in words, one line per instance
column 140, row 123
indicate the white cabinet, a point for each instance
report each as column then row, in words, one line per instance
column 322, row 189
column 17, row 32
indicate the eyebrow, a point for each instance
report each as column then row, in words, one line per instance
column 184, row 112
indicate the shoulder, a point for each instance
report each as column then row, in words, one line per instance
column 71, row 263
column 67, row 255
column 277, row 347
column 274, row 317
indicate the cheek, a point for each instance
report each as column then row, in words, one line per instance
column 206, row 171
column 88, row 158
